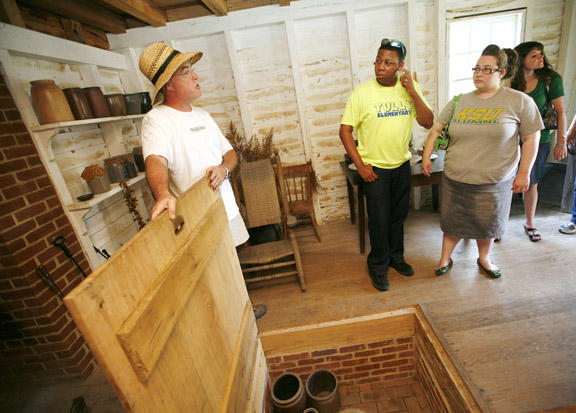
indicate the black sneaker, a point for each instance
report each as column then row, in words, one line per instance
column 380, row 282
column 403, row 268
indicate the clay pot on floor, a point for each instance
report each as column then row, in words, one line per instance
column 288, row 395
column 97, row 102
column 50, row 102
column 322, row 391
column 78, row 103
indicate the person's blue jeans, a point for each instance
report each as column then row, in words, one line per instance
column 387, row 202
column 573, row 220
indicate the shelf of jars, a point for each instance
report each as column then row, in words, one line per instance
column 114, row 189
column 49, row 126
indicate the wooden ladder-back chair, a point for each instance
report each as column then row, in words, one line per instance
column 298, row 185
column 275, row 259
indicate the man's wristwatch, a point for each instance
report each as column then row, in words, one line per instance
column 227, row 171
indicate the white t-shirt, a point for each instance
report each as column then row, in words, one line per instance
column 191, row 142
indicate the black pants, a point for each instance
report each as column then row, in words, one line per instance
column 387, row 202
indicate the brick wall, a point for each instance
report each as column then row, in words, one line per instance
column 380, row 361
column 39, row 341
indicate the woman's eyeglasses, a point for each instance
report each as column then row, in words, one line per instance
column 485, row 70
column 394, row 43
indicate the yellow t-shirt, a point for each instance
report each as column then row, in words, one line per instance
column 383, row 117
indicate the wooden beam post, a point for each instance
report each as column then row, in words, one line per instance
column 144, row 10
column 218, row 7
column 10, row 12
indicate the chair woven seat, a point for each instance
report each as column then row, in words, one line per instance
column 264, row 191
column 273, row 251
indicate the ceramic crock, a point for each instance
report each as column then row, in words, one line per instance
column 50, row 102
column 133, row 104
column 116, row 104
column 78, row 103
column 97, row 102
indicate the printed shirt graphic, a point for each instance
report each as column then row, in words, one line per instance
column 485, row 135
column 383, row 118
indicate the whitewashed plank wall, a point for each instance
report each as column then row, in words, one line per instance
column 288, row 68
column 319, row 56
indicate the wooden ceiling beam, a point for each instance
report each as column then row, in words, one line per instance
column 218, row 7
column 188, row 12
column 85, row 12
column 144, row 10
column 10, row 13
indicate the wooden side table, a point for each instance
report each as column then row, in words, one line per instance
column 353, row 179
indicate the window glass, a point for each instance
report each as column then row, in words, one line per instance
column 468, row 36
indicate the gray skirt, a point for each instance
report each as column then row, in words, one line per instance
column 475, row 211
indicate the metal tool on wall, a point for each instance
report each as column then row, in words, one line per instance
column 44, row 275
column 102, row 252
column 60, row 242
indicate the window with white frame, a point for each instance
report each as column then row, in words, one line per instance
column 470, row 35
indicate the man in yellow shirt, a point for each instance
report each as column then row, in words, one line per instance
column 382, row 111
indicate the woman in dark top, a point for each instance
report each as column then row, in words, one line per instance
column 534, row 78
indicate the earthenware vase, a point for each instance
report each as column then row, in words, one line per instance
column 288, row 395
column 322, row 391
column 139, row 159
column 145, row 102
column 133, row 104
column 50, row 102
column 78, row 103
column 116, row 104
column 97, row 102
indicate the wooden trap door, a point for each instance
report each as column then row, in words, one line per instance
column 169, row 319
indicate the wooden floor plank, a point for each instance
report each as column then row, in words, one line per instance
column 514, row 338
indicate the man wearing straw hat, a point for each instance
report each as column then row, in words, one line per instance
column 182, row 143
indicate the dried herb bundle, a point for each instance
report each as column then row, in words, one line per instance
column 253, row 149
column 132, row 205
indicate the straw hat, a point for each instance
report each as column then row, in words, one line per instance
column 159, row 61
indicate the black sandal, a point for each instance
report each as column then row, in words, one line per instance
column 532, row 233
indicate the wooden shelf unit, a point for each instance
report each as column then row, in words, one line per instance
column 54, row 126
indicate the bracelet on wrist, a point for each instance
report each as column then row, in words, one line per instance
column 227, row 171
column 560, row 144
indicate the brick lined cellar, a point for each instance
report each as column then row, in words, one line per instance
column 357, row 364
column 39, row 342
column 377, row 376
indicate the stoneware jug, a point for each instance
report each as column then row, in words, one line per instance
column 288, row 395
column 145, row 102
column 50, row 102
column 133, row 104
column 116, row 105
column 322, row 391
column 78, row 103
column 97, row 102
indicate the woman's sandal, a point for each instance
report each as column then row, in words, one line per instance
column 532, row 233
